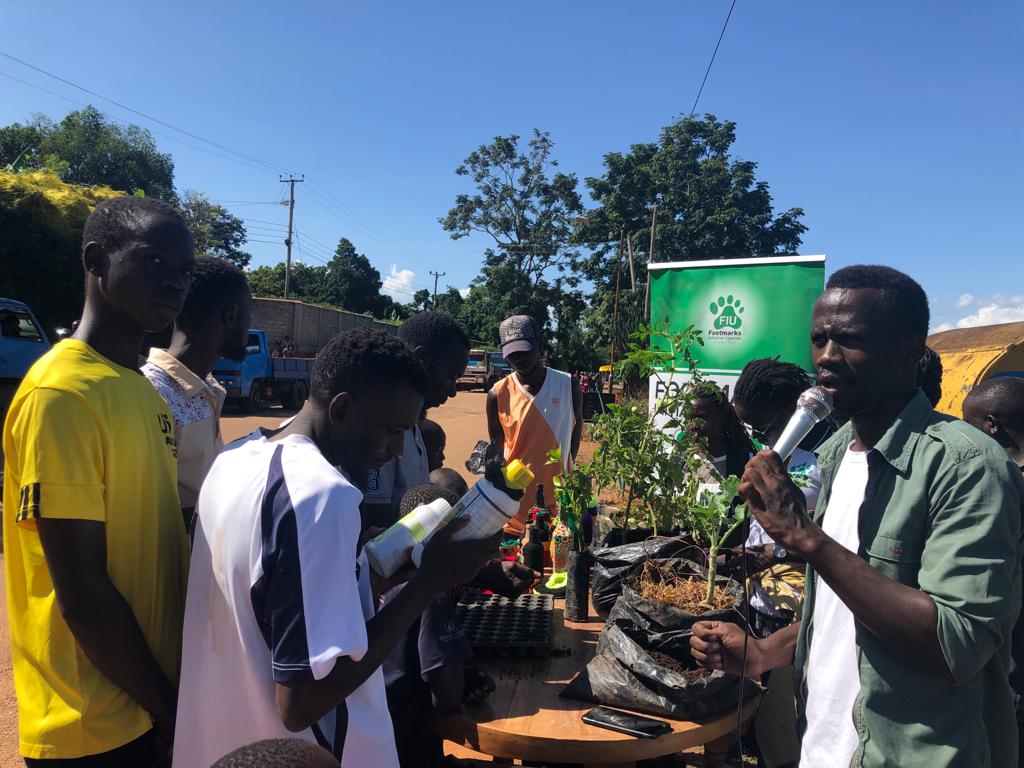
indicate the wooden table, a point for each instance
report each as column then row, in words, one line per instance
column 525, row 718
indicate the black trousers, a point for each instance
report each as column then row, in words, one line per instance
column 140, row 753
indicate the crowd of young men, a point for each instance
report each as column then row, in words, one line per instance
column 912, row 541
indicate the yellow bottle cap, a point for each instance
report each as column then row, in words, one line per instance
column 517, row 475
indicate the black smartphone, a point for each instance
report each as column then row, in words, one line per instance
column 626, row 722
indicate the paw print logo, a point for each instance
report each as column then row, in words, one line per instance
column 726, row 311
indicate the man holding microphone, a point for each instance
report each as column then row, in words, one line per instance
column 913, row 579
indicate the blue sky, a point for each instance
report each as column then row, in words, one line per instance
column 896, row 126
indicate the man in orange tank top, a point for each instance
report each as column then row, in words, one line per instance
column 534, row 409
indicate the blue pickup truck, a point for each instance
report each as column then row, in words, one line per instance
column 261, row 379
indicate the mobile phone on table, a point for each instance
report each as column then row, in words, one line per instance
column 626, row 722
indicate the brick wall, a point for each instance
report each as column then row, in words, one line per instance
column 310, row 326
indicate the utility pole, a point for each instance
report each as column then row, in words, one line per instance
column 291, row 181
column 436, row 276
column 632, row 269
column 650, row 260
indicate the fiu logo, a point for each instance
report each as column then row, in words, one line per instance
column 727, row 318
column 167, row 430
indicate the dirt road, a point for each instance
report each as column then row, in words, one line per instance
column 462, row 419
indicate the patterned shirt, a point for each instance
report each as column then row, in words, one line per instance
column 196, row 405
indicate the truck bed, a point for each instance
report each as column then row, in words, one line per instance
column 289, row 368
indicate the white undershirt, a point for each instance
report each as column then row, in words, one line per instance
column 833, row 675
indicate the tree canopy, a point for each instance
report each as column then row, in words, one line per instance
column 86, row 148
column 216, row 231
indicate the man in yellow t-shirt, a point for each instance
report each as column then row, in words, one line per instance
column 96, row 553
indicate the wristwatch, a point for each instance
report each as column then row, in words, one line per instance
column 779, row 552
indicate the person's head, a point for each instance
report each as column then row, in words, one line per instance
column 365, row 390
column 996, row 407
column 929, row 375
column 427, row 493
column 219, row 306
column 446, row 477
column 278, row 753
column 442, row 347
column 765, row 396
column 434, row 441
column 712, row 419
column 10, row 327
column 867, row 337
column 138, row 257
column 522, row 344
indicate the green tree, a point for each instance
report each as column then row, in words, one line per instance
column 527, row 209
column 710, row 205
column 41, row 219
column 268, row 282
column 216, row 231
column 351, row 282
column 85, row 148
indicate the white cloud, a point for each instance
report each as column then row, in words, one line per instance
column 400, row 285
column 464, row 292
column 965, row 300
column 999, row 309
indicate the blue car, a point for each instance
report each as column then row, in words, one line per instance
column 22, row 342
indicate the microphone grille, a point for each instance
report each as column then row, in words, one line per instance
column 817, row 401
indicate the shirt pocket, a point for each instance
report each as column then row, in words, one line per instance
column 899, row 559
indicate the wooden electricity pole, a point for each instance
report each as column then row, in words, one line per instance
column 291, row 181
column 436, row 276
column 650, row 260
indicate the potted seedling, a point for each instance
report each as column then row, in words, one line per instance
column 573, row 489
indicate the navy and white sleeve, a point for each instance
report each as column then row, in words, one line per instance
column 306, row 597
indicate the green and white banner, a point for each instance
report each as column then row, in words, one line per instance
column 744, row 308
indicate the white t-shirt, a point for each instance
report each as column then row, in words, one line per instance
column 833, row 674
column 276, row 593
column 388, row 484
column 805, row 464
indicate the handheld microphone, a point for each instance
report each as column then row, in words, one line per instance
column 813, row 405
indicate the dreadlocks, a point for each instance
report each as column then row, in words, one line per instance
column 769, row 381
column 734, row 431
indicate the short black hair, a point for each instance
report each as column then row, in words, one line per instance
column 770, row 381
column 431, row 430
column 427, row 493
column 215, row 283
column 929, row 375
column 115, row 222
column 903, row 297
column 433, row 330
column 448, row 478
column 361, row 361
column 1003, row 397
column 272, row 753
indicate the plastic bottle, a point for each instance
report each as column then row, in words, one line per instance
column 533, row 550
column 488, row 507
column 390, row 550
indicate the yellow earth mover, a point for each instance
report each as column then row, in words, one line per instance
column 972, row 355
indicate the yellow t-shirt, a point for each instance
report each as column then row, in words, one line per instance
column 87, row 439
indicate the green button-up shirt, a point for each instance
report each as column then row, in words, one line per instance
column 941, row 513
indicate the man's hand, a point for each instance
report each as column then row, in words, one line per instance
column 719, row 645
column 479, row 685
column 506, row 578
column 447, row 563
column 757, row 560
column 778, row 504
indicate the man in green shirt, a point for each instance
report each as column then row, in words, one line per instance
column 913, row 552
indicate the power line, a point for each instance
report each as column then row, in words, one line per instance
column 120, row 122
column 715, row 53
column 125, row 107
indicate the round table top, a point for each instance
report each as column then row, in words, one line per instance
column 525, row 717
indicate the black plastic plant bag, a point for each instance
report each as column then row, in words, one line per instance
column 624, row 674
column 612, row 564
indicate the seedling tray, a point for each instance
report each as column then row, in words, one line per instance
column 498, row 626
